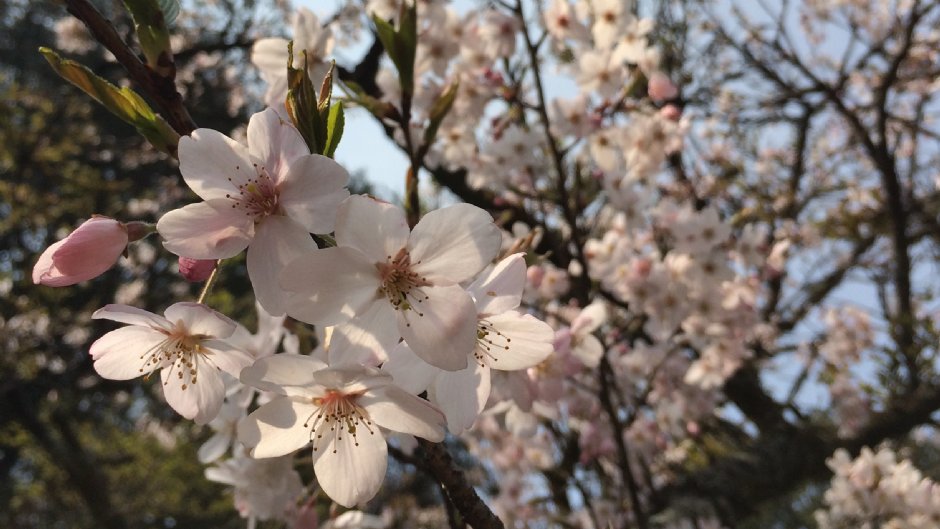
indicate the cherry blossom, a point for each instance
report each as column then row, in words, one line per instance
column 267, row 198
column 186, row 344
column 398, row 283
column 506, row 340
column 339, row 411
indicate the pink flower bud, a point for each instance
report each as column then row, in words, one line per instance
column 196, row 270
column 84, row 254
column 670, row 112
column 660, row 88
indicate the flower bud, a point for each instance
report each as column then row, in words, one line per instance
column 84, row 254
column 196, row 270
column 661, row 88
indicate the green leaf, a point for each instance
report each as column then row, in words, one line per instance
column 122, row 102
column 334, row 129
column 401, row 44
column 439, row 111
column 378, row 108
column 152, row 34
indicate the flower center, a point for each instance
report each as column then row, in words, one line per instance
column 258, row 197
column 400, row 284
column 488, row 339
column 177, row 352
column 336, row 413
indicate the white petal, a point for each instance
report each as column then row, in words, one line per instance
column 589, row 351
column 275, row 142
column 453, row 243
column 206, row 230
column 347, row 473
column 366, row 338
column 312, row 190
column 410, row 372
column 394, row 408
column 590, row 318
column 212, row 164
column 199, row 401
column 329, row 286
column 461, row 395
column 378, row 229
column 500, row 289
column 131, row 316
column 200, row 319
column 270, row 56
column 226, row 356
column 278, row 241
column 277, row 428
column 530, row 340
column 121, row 354
column 214, row 448
column 442, row 328
column 272, row 372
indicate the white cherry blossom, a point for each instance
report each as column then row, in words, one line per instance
column 398, row 283
column 186, row 345
column 267, row 198
column 339, row 411
column 506, row 340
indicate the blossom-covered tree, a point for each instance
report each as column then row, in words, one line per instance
column 654, row 264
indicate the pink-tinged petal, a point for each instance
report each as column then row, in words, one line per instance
column 410, row 372
column 206, row 230
column 351, row 379
column 226, row 356
column 365, row 338
column 200, row 319
column 277, row 428
column 461, row 395
column 453, row 244
column 312, row 190
column 394, row 408
column 278, row 240
column 121, row 354
column 45, row 272
column 274, row 141
column 500, row 289
column 515, row 341
column 213, row 165
column 377, row 229
column 199, row 400
column 350, row 468
column 441, row 329
column 330, row 286
column 270, row 56
column 590, row 318
column 273, row 372
column 131, row 316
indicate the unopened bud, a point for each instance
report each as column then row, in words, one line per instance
column 660, row 88
column 196, row 270
column 84, row 254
